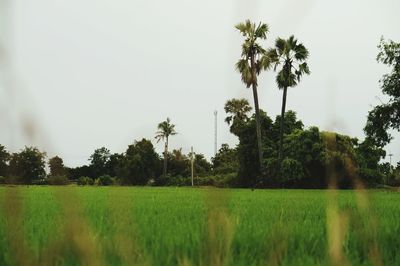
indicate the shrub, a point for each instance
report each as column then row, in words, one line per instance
column 57, row 180
column 104, row 180
column 84, row 181
column 12, row 180
column 169, row 180
column 223, row 180
column 2, row 179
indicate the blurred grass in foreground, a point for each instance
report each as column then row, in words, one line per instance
column 184, row 226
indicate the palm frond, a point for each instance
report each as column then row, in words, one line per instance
column 301, row 52
column 280, row 45
column 265, row 62
column 246, row 28
column 261, row 31
column 245, row 70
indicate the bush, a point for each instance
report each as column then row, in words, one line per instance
column 370, row 176
column 105, row 180
column 223, row 180
column 169, row 180
column 57, row 180
column 2, row 179
column 84, row 181
column 12, row 180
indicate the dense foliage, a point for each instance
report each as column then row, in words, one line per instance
column 387, row 115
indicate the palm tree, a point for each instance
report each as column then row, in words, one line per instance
column 253, row 60
column 291, row 55
column 165, row 129
column 237, row 110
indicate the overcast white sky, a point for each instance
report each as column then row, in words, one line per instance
column 81, row 74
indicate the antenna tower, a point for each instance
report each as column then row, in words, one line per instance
column 215, row 132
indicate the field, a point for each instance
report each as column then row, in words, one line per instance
column 184, row 226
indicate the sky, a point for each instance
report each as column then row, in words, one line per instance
column 77, row 75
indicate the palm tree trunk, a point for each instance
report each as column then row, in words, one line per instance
column 165, row 158
column 256, row 107
column 282, row 123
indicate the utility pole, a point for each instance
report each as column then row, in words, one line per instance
column 390, row 169
column 215, row 132
column 191, row 162
column 390, row 156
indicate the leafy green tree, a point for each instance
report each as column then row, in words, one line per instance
column 114, row 164
column 252, row 61
column 77, row 172
column 56, row 166
column 140, row 163
column 165, row 130
column 179, row 164
column 249, row 173
column 99, row 161
column 292, row 170
column 291, row 56
column 340, row 159
column 368, row 157
column 28, row 165
column 225, row 161
column 304, row 148
column 201, row 166
column 387, row 115
column 237, row 111
column 291, row 124
column 4, row 158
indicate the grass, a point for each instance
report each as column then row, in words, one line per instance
column 184, row 226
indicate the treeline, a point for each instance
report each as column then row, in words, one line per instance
column 311, row 156
column 138, row 165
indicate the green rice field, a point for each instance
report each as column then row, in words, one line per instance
column 197, row 226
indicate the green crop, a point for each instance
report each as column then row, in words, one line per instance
column 197, row 226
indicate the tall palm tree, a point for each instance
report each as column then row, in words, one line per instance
column 165, row 129
column 291, row 56
column 237, row 110
column 252, row 61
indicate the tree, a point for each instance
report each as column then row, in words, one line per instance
column 99, row 160
column 291, row 55
column 28, row 165
column 249, row 173
column 179, row 164
column 165, row 129
column 80, row 171
column 225, row 161
column 4, row 158
column 303, row 148
column 387, row 115
column 114, row 164
column 368, row 157
column 140, row 163
column 290, row 125
column 56, row 166
column 253, row 60
column 237, row 110
column 201, row 166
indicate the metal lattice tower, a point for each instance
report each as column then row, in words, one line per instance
column 215, row 132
